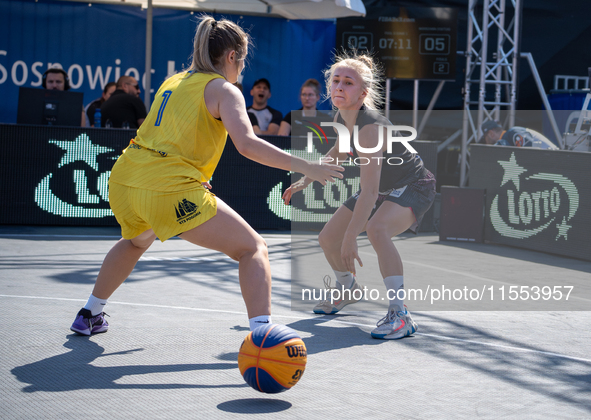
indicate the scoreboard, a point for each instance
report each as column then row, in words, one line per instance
column 411, row 43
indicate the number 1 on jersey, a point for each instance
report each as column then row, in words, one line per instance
column 165, row 95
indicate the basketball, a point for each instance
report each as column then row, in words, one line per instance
column 272, row 358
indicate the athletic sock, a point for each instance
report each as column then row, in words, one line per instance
column 95, row 305
column 257, row 321
column 344, row 279
column 395, row 284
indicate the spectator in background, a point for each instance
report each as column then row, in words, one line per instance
column 309, row 96
column 124, row 109
column 255, row 124
column 493, row 133
column 253, row 119
column 91, row 107
column 57, row 79
column 268, row 118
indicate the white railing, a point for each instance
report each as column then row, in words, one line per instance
column 564, row 82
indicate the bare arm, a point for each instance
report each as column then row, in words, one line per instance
column 272, row 129
column 225, row 101
column 370, row 184
column 284, row 129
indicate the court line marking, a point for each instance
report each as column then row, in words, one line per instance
column 441, row 337
column 464, row 274
column 447, row 270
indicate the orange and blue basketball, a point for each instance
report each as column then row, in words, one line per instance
column 272, row 358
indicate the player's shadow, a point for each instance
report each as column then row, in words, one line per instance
column 214, row 264
column 566, row 380
column 74, row 371
column 325, row 337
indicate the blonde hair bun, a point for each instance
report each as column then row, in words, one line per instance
column 367, row 60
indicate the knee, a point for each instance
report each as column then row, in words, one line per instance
column 375, row 232
column 326, row 240
column 142, row 243
column 256, row 246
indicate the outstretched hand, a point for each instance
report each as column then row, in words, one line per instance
column 295, row 187
column 324, row 172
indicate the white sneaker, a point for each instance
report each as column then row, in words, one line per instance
column 396, row 324
column 346, row 298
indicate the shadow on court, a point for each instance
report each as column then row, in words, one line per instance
column 324, row 337
column 73, row 371
column 537, row 370
column 212, row 264
column 254, row 406
column 563, row 379
column 519, row 254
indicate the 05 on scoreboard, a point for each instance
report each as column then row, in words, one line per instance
column 411, row 43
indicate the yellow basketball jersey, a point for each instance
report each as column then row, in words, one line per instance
column 179, row 144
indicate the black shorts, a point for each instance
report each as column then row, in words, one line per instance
column 418, row 195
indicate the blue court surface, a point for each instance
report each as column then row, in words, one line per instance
column 178, row 321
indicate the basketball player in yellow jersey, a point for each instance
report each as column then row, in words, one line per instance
column 158, row 187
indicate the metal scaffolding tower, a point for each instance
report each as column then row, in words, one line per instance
column 492, row 57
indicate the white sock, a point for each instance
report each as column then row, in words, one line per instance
column 257, row 321
column 95, row 305
column 344, row 278
column 395, row 283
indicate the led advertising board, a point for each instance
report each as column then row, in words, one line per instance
column 59, row 176
column 535, row 199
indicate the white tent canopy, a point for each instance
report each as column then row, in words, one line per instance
column 288, row 9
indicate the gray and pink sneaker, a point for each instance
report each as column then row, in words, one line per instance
column 86, row 324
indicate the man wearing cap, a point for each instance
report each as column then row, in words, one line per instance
column 492, row 133
column 268, row 118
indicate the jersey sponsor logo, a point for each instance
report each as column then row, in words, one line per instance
column 186, row 210
column 529, row 205
column 89, row 184
column 396, row 192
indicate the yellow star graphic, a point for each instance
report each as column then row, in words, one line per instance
column 81, row 149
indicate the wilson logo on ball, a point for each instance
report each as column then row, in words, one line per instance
column 296, row 351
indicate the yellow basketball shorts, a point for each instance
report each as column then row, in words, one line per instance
column 168, row 213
